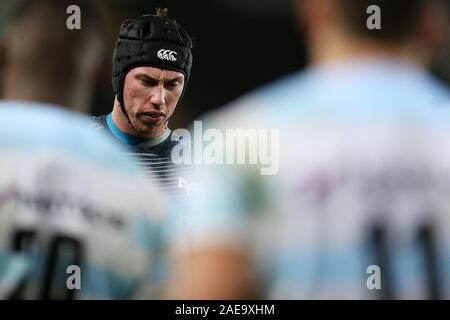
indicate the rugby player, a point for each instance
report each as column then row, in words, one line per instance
column 151, row 66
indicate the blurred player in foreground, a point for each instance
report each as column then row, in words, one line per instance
column 360, row 206
column 78, row 220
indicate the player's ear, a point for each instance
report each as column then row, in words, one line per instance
column 101, row 71
column 301, row 9
column 434, row 28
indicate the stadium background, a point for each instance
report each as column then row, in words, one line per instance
column 239, row 45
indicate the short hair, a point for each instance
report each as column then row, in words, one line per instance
column 399, row 18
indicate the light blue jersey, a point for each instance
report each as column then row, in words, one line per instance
column 362, row 187
column 78, row 220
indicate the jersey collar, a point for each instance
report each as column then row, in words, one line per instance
column 134, row 140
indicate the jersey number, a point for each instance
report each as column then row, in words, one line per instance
column 425, row 242
column 23, row 241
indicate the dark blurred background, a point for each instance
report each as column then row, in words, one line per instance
column 239, row 45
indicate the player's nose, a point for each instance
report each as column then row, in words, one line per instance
column 158, row 96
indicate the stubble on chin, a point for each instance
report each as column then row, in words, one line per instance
column 143, row 128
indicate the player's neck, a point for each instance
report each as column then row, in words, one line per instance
column 337, row 49
column 20, row 88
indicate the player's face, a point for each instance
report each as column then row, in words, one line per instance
column 150, row 96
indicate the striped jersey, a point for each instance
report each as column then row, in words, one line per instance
column 359, row 208
column 152, row 155
column 78, row 220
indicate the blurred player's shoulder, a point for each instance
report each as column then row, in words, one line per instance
column 41, row 126
column 66, row 184
column 50, row 134
column 353, row 89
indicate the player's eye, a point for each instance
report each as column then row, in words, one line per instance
column 172, row 84
column 149, row 82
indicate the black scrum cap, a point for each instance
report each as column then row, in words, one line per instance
column 153, row 41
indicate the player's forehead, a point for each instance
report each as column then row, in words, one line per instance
column 157, row 73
